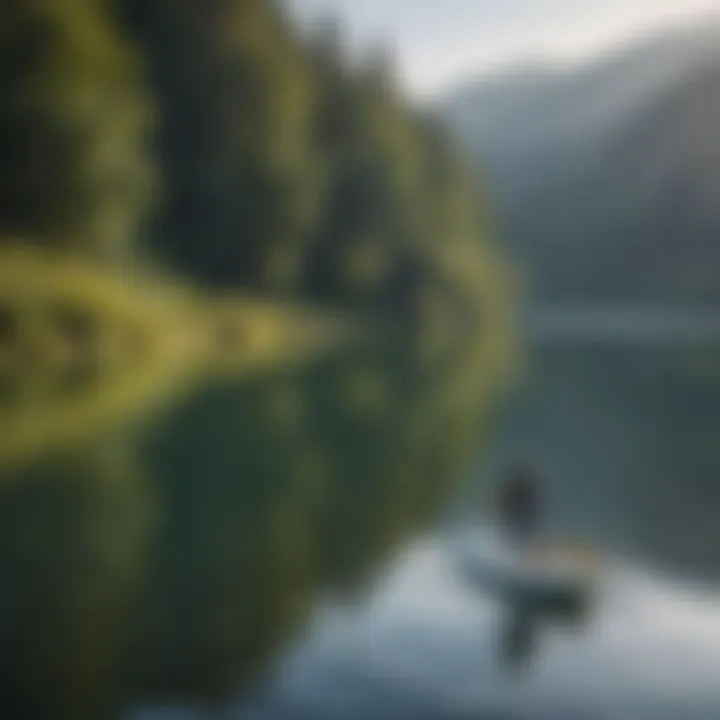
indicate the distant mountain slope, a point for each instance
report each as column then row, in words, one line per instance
column 607, row 177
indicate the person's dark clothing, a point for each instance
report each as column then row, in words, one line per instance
column 519, row 505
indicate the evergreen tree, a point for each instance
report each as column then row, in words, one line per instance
column 291, row 173
column 73, row 119
column 236, row 100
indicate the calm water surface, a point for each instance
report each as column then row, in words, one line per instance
column 283, row 548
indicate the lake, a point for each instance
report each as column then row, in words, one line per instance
column 283, row 548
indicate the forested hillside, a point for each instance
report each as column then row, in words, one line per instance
column 75, row 170
column 211, row 139
column 607, row 177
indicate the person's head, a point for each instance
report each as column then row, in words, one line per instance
column 522, row 476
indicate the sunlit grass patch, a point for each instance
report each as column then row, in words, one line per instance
column 83, row 347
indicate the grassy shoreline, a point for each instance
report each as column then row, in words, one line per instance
column 124, row 344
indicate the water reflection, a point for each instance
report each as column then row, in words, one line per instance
column 426, row 646
column 538, row 586
column 518, row 638
column 167, row 562
column 73, row 544
column 523, row 624
column 626, row 439
column 246, row 550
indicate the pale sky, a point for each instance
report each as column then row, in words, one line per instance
column 438, row 42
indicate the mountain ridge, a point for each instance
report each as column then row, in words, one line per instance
column 607, row 176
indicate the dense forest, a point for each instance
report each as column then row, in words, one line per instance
column 192, row 194
column 212, row 139
column 607, row 175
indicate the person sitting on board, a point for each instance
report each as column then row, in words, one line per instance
column 518, row 503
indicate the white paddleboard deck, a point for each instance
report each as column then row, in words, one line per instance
column 540, row 572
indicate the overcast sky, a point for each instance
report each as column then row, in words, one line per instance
column 438, row 42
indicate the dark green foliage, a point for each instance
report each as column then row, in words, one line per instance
column 233, row 144
column 171, row 564
column 290, row 173
column 73, row 118
column 283, row 170
column 73, row 541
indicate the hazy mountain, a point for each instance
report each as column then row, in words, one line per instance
column 606, row 176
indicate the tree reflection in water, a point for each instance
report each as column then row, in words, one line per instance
column 172, row 562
